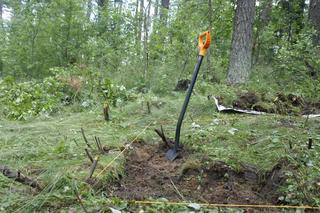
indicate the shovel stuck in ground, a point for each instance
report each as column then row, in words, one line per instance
column 203, row 46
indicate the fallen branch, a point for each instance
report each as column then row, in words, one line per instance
column 17, row 176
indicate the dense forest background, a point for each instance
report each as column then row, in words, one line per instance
column 151, row 44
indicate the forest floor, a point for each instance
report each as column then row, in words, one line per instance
column 226, row 159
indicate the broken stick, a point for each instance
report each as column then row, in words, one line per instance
column 93, row 167
column 98, row 143
column 163, row 137
column 85, row 138
column 89, row 155
column 17, row 176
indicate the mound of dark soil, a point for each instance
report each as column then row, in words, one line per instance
column 281, row 104
column 246, row 101
column 182, row 85
column 150, row 175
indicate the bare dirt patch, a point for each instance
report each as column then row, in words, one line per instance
column 150, row 175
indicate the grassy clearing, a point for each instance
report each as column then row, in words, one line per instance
column 51, row 149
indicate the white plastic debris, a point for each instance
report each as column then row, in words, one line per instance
column 195, row 126
column 232, row 131
column 230, row 109
column 114, row 210
column 195, row 206
column 222, row 108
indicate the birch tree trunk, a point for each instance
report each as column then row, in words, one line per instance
column 242, row 37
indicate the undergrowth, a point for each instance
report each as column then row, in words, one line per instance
column 40, row 136
column 51, row 149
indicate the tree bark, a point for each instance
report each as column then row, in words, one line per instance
column 145, row 40
column 1, row 9
column 1, row 6
column 165, row 4
column 156, row 9
column 1, row 25
column 265, row 15
column 242, row 37
column 263, row 22
column 209, row 64
column 101, row 4
column 314, row 16
column 140, row 23
column 89, row 8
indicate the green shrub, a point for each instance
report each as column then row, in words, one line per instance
column 297, row 66
column 83, row 88
column 22, row 100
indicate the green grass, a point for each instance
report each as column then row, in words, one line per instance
column 52, row 149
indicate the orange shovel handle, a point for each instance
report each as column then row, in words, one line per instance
column 204, row 44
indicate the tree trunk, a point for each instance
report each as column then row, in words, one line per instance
column 156, row 9
column 210, row 21
column 241, row 50
column 101, row 4
column 314, row 16
column 164, row 11
column 265, row 15
column 1, row 9
column 89, row 8
column 165, row 4
column 263, row 22
column 1, row 25
column 136, row 24
column 145, row 40
column 140, row 22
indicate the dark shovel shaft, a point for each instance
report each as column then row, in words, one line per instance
column 186, row 102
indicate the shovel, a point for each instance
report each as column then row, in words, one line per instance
column 172, row 154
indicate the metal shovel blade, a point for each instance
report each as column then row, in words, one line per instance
column 171, row 154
